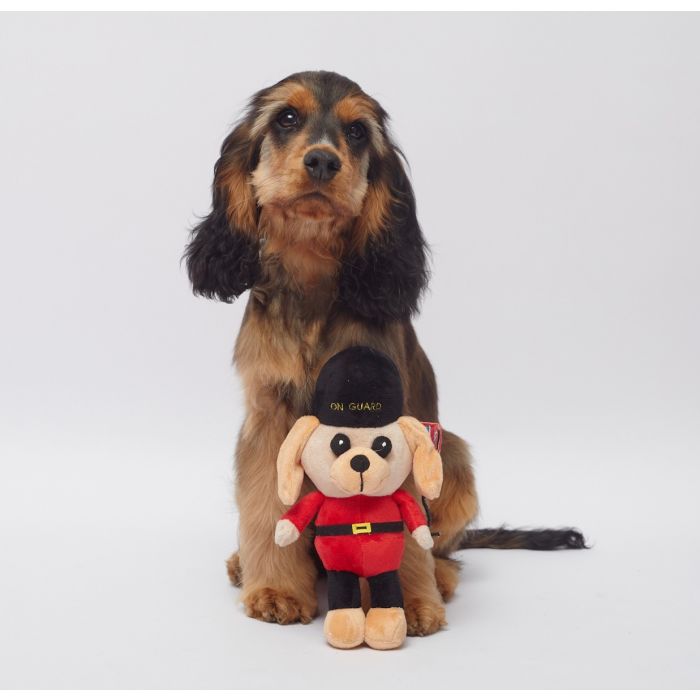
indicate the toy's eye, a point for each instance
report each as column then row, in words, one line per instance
column 382, row 446
column 356, row 131
column 288, row 118
column 339, row 444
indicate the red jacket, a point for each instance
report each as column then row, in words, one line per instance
column 363, row 554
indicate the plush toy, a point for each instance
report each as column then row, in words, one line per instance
column 358, row 450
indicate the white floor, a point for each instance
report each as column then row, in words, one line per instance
column 555, row 163
column 113, row 576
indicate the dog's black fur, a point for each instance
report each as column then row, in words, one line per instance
column 382, row 283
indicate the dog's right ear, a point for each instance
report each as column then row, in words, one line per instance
column 290, row 473
column 223, row 253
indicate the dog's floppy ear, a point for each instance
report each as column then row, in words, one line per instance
column 290, row 473
column 427, row 463
column 222, row 256
column 383, row 277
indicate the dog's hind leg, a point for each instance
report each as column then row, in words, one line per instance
column 457, row 504
column 233, row 568
column 423, row 604
column 456, row 507
column 446, row 576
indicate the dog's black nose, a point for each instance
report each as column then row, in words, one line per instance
column 359, row 463
column 321, row 165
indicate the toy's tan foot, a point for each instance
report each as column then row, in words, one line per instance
column 385, row 628
column 345, row 628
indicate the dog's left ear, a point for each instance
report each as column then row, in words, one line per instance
column 383, row 276
column 427, row 463
column 290, row 473
column 222, row 256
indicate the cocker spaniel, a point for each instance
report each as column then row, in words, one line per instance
column 312, row 212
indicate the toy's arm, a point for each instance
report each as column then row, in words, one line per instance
column 414, row 518
column 291, row 524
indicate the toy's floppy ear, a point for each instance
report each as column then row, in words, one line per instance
column 290, row 473
column 427, row 464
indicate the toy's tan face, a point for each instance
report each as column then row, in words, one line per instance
column 344, row 462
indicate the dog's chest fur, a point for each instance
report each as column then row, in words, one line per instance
column 288, row 333
column 283, row 337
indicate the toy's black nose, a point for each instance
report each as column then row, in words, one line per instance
column 359, row 463
column 321, row 165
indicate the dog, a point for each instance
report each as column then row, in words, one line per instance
column 312, row 211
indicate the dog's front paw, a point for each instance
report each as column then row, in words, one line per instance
column 271, row 605
column 424, row 617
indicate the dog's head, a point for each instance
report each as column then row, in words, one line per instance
column 312, row 169
column 318, row 133
column 344, row 462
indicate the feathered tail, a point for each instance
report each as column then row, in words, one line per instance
column 504, row 538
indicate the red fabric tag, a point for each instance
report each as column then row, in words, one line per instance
column 435, row 432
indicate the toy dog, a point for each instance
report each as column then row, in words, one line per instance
column 357, row 448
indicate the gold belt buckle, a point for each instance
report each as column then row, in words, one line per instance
column 361, row 528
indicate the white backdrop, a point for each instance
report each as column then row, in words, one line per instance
column 555, row 161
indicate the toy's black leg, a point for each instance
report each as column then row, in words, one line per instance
column 385, row 625
column 385, row 590
column 345, row 621
column 343, row 590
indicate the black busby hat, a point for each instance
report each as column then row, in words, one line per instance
column 358, row 388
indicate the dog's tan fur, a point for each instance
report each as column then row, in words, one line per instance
column 270, row 356
column 291, row 327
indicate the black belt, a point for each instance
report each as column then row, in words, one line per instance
column 358, row 528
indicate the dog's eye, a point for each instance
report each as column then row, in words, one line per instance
column 382, row 446
column 339, row 444
column 356, row 131
column 288, row 118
